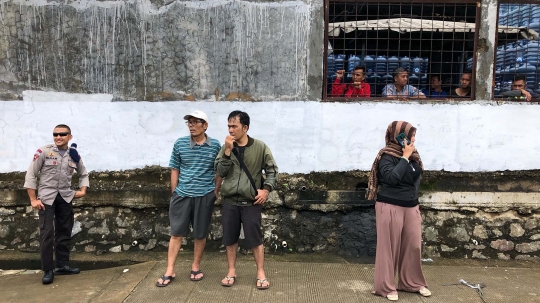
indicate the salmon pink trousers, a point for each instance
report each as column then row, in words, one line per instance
column 399, row 249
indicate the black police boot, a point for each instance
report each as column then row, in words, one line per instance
column 48, row 277
column 66, row 270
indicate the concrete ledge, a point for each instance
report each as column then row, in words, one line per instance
column 486, row 201
column 121, row 198
column 480, row 225
column 43, row 96
column 436, row 200
column 333, row 197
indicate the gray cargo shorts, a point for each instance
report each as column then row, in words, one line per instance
column 194, row 210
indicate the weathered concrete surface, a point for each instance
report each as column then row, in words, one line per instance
column 482, row 201
column 459, row 226
column 485, row 54
column 162, row 50
column 315, row 50
column 105, row 285
column 158, row 178
column 321, row 212
column 312, row 279
column 179, row 50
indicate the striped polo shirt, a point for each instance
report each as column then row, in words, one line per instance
column 196, row 165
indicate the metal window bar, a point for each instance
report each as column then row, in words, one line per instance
column 517, row 56
column 425, row 38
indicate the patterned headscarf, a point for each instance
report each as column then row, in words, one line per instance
column 394, row 149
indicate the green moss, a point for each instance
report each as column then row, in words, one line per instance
column 431, row 185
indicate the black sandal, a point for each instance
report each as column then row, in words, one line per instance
column 163, row 279
column 195, row 273
column 228, row 280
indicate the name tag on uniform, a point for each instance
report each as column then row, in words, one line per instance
column 50, row 162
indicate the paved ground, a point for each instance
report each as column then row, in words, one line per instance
column 292, row 278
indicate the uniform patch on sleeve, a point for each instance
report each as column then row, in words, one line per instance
column 36, row 155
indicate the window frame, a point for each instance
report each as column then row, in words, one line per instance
column 325, row 96
column 496, row 45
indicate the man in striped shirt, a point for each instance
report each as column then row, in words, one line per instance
column 194, row 191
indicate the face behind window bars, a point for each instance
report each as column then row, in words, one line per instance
column 433, row 42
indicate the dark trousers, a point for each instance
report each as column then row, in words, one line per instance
column 55, row 224
column 250, row 219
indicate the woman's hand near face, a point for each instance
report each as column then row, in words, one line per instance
column 408, row 150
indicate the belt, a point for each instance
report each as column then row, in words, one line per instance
column 239, row 203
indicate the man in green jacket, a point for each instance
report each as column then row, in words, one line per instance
column 243, row 198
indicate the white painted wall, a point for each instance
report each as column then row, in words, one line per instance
column 304, row 136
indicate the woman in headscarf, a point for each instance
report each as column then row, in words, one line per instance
column 393, row 182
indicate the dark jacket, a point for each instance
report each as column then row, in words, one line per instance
column 517, row 93
column 399, row 181
column 236, row 186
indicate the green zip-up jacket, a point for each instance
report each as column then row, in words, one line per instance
column 236, row 186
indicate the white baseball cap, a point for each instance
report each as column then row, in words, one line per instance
column 197, row 114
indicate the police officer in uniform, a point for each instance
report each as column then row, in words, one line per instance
column 55, row 164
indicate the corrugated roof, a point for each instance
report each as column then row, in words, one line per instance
column 404, row 25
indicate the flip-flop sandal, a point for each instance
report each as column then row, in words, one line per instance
column 229, row 280
column 163, row 279
column 261, row 281
column 195, row 273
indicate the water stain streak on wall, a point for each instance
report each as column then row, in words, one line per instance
column 150, row 50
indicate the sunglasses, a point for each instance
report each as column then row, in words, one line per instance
column 59, row 134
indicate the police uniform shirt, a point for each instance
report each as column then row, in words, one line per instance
column 55, row 172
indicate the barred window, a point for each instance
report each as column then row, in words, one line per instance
column 399, row 50
column 517, row 57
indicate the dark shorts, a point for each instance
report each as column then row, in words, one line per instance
column 249, row 217
column 194, row 210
